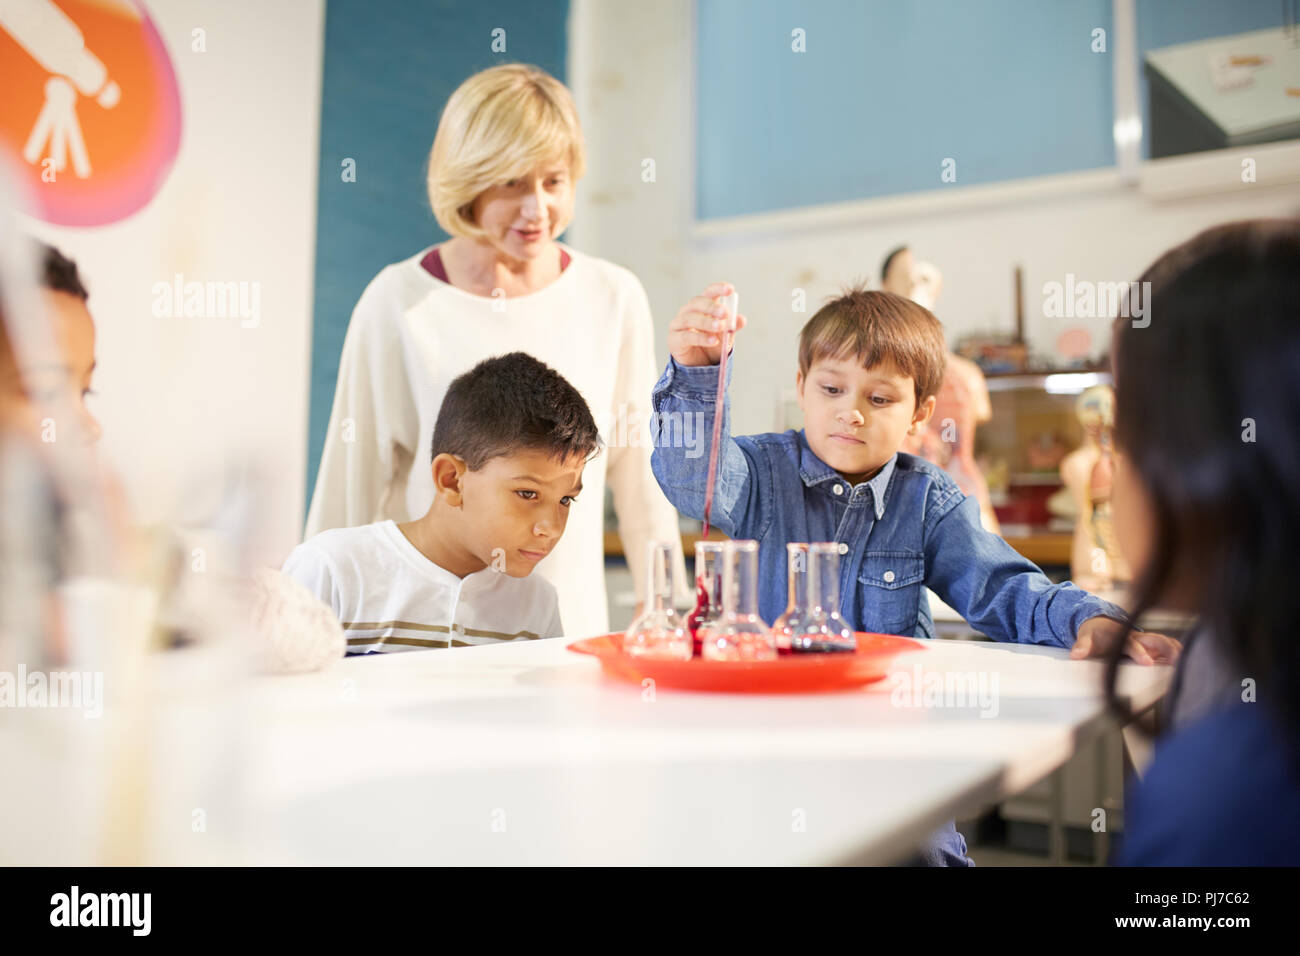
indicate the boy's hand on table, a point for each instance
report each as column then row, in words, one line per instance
column 1097, row 635
column 695, row 334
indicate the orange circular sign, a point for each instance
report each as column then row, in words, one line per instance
column 92, row 117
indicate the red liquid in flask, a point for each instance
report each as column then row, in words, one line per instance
column 701, row 595
column 700, row 612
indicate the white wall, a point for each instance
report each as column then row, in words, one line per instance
column 632, row 77
column 179, row 398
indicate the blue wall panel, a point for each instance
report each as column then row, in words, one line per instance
column 389, row 67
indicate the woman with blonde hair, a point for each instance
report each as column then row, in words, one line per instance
column 502, row 175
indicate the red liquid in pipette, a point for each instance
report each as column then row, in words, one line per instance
column 701, row 594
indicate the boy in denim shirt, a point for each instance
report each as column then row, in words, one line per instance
column 870, row 364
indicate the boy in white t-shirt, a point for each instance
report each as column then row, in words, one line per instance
column 509, row 446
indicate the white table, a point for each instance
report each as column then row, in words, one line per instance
column 526, row 754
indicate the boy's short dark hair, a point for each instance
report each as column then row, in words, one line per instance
column 55, row 271
column 59, row 273
column 509, row 403
column 878, row 328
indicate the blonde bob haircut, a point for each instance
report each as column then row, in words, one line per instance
column 500, row 124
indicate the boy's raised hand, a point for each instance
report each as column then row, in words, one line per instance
column 695, row 334
column 1098, row 634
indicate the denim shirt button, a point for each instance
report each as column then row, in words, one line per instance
column 839, row 489
column 844, row 548
column 888, row 576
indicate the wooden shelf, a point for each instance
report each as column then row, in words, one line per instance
column 614, row 544
column 1043, row 547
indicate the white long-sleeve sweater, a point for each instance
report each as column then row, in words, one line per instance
column 411, row 334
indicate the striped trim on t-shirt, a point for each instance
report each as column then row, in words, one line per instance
column 391, row 636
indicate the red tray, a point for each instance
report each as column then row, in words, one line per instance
column 793, row 674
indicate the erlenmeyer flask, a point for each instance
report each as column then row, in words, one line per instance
column 823, row 629
column 797, row 608
column 660, row 631
column 740, row 635
column 708, row 588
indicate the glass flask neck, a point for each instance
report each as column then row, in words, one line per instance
column 824, row 577
column 740, row 580
column 797, row 577
column 708, row 573
column 659, row 577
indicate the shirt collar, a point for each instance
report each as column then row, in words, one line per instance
column 815, row 472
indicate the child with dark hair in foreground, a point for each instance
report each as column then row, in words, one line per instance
column 53, row 382
column 1206, row 497
column 509, row 447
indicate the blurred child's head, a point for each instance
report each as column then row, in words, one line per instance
column 896, row 272
column 903, row 275
column 54, row 380
column 509, row 447
column 870, row 365
column 1206, row 493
